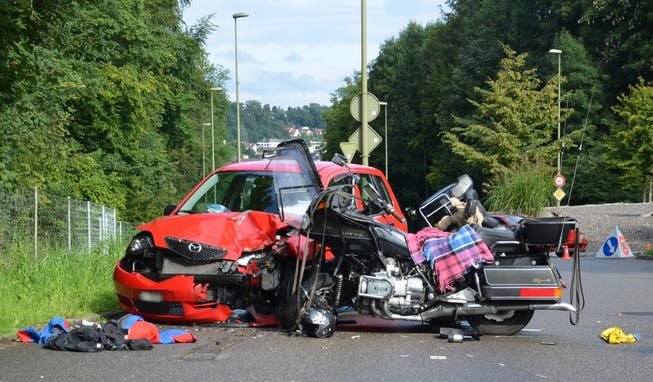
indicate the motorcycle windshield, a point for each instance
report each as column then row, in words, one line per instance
column 296, row 179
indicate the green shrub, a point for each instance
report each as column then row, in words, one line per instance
column 57, row 283
column 524, row 190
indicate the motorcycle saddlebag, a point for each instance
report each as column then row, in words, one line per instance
column 520, row 283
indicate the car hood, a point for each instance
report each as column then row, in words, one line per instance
column 236, row 232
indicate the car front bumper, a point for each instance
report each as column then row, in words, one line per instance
column 176, row 299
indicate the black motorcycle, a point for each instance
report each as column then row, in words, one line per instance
column 499, row 270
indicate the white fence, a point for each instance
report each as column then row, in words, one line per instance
column 33, row 217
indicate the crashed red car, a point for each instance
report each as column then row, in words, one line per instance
column 229, row 242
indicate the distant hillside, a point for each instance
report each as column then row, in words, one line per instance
column 259, row 122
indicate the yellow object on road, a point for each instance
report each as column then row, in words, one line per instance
column 615, row 335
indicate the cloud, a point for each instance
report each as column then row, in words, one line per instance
column 301, row 48
column 294, row 57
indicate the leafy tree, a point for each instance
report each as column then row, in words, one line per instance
column 339, row 122
column 514, row 121
column 102, row 100
column 630, row 145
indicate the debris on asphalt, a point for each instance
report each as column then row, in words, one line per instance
column 438, row 357
column 547, row 343
column 457, row 335
column 616, row 335
column 356, row 337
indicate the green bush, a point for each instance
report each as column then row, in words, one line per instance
column 524, row 190
column 57, row 283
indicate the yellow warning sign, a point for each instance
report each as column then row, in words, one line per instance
column 559, row 194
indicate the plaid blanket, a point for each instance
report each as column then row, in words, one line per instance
column 453, row 256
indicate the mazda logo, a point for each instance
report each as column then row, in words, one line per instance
column 194, row 247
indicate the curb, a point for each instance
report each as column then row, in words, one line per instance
column 644, row 257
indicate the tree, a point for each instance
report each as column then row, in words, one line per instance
column 514, row 121
column 103, row 100
column 630, row 145
column 339, row 122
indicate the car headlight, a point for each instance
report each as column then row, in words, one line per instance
column 140, row 243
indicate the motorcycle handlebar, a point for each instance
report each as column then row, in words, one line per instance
column 389, row 209
column 397, row 216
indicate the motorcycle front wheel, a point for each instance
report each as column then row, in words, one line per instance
column 290, row 309
column 502, row 323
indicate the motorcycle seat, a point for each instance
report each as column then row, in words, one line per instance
column 492, row 236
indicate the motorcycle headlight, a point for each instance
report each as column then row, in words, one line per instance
column 140, row 243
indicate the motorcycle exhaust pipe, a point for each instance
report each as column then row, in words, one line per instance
column 491, row 309
column 443, row 311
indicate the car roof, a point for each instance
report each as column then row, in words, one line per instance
column 327, row 170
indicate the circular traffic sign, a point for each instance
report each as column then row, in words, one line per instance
column 559, row 180
column 372, row 107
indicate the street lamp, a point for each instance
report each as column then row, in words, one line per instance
column 559, row 53
column 212, row 132
column 204, row 150
column 385, row 137
column 363, row 105
column 236, row 16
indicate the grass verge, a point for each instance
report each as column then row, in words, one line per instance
column 57, row 283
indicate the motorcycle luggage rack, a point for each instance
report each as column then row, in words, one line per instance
column 435, row 208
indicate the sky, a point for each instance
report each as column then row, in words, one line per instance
column 296, row 52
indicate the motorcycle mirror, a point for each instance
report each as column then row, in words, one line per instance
column 463, row 184
column 339, row 159
column 411, row 213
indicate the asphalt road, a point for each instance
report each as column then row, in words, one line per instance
column 618, row 293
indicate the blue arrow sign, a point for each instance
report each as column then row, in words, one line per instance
column 610, row 246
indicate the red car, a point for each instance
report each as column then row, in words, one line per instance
column 226, row 245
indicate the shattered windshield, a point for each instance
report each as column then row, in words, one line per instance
column 284, row 185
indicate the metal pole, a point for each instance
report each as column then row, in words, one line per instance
column 236, row 16
column 203, row 154
column 103, row 224
column 237, row 94
column 114, row 224
column 70, row 233
column 88, row 224
column 363, row 106
column 559, row 96
column 36, row 222
column 559, row 53
column 212, row 136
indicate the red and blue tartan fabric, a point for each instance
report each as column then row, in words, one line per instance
column 452, row 256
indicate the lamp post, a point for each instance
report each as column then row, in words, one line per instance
column 385, row 135
column 236, row 16
column 212, row 132
column 363, row 106
column 204, row 149
column 559, row 53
